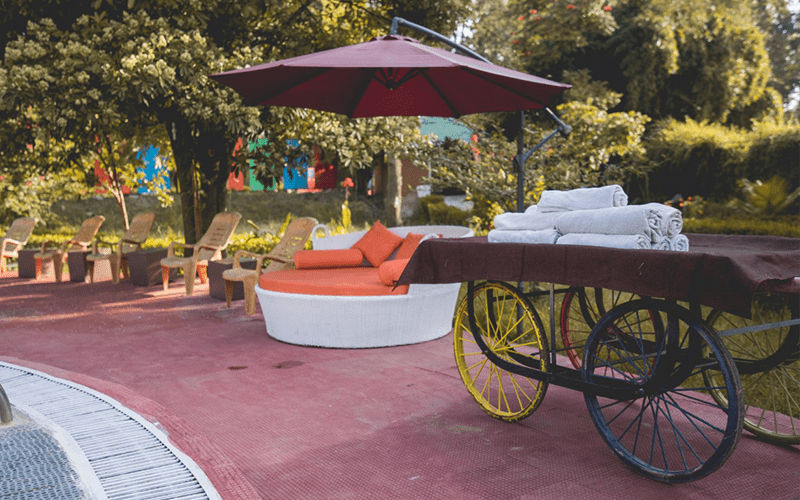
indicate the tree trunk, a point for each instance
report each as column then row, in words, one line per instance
column 180, row 138
column 214, row 156
column 394, row 190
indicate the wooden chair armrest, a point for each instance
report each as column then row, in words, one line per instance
column 271, row 256
column 97, row 242
column 243, row 253
column 11, row 241
column 132, row 242
column 44, row 245
column 173, row 244
column 73, row 243
column 279, row 258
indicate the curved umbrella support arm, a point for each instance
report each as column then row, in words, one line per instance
column 397, row 21
column 522, row 155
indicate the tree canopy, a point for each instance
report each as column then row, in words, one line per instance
column 80, row 79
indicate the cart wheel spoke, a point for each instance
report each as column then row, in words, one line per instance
column 769, row 364
column 511, row 329
column 671, row 429
column 582, row 308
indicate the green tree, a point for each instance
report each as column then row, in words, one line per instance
column 61, row 73
column 152, row 59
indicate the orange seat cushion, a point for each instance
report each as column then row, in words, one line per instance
column 378, row 244
column 345, row 281
column 408, row 246
column 389, row 272
column 315, row 259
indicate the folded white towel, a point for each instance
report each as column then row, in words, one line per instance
column 671, row 219
column 521, row 236
column 632, row 219
column 529, row 221
column 679, row 243
column 582, row 199
column 532, row 209
column 625, row 241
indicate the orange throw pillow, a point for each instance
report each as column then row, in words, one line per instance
column 409, row 245
column 389, row 272
column 378, row 244
column 316, row 259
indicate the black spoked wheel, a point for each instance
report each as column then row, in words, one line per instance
column 581, row 309
column 667, row 425
column 579, row 314
column 769, row 366
column 509, row 327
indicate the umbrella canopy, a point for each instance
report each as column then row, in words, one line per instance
column 390, row 75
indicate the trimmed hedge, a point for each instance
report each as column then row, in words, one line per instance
column 708, row 159
column 784, row 226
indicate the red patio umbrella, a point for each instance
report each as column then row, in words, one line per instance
column 391, row 75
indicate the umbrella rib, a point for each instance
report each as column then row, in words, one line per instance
column 289, row 86
column 444, row 98
column 363, row 88
column 504, row 87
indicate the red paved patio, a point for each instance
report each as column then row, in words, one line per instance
column 272, row 420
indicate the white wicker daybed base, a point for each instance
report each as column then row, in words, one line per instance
column 424, row 313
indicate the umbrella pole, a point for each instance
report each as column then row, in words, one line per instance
column 521, row 164
column 522, row 155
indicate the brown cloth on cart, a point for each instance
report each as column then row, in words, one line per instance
column 722, row 271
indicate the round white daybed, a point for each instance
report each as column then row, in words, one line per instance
column 424, row 313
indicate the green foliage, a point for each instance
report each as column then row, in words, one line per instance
column 707, row 159
column 605, row 147
column 433, row 210
column 117, row 69
column 681, row 58
column 784, row 226
column 768, row 198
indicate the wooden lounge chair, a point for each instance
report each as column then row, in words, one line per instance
column 208, row 247
column 82, row 240
column 281, row 257
column 131, row 241
column 16, row 237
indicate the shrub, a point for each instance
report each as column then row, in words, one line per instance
column 707, row 159
column 433, row 210
column 783, row 226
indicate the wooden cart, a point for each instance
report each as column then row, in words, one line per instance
column 669, row 382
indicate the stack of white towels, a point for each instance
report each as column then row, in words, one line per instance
column 595, row 217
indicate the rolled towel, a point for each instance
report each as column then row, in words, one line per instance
column 522, row 236
column 624, row 241
column 671, row 219
column 528, row 221
column 631, row 220
column 661, row 244
column 582, row 199
column 679, row 243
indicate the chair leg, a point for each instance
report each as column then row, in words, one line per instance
column 58, row 265
column 165, row 277
column 38, row 264
column 113, row 261
column 249, row 284
column 228, row 292
column 124, row 266
column 2, row 264
column 189, row 272
column 202, row 273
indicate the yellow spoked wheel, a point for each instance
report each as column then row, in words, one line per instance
column 510, row 328
column 769, row 367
